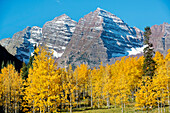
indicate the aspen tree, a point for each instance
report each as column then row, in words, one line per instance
column 11, row 89
column 82, row 80
column 43, row 84
column 145, row 96
column 70, row 88
column 167, row 64
column 107, row 84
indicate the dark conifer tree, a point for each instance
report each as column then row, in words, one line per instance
column 25, row 68
column 149, row 63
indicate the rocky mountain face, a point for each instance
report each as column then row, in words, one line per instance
column 161, row 37
column 7, row 58
column 55, row 35
column 98, row 37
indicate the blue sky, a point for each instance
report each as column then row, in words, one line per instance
column 15, row 15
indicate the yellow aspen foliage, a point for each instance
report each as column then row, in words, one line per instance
column 167, row 65
column 107, row 85
column 69, row 88
column 82, row 77
column 145, row 96
column 43, row 84
column 98, row 96
column 122, row 88
column 11, row 89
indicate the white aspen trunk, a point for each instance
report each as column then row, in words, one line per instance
column 168, row 98
column 163, row 99
column 40, row 110
column 18, row 107
column 91, row 97
column 76, row 92
column 79, row 103
column 15, row 107
column 44, row 109
column 122, row 108
column 161, row 106
column 6, row 108
column 33, row 107
column 70, row 104
column 84, row 94
column 158, row 106
column 108, row 101
column 133, row 95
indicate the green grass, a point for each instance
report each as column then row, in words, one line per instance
column 129, row 109
column 118, row 110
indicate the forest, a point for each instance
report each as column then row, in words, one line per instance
column 51, row 89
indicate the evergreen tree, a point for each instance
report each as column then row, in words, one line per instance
column 149, row 63
column 25, row 68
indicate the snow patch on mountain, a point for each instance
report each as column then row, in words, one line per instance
column 135, row 51
column 56, row 54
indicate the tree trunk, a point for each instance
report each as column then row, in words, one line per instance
column 98, row 104
column 33, row 107
column 161, row 106
column 76, row 92
column 15, row 107
column 91, row 95
column 158, row 106
column 168, row 98
column 40, row 109
column 70, row 104
column 91, row 98
column 84, row 94
column 108, row 101
column 122, row 108
column 6, row 108
column 133, row 95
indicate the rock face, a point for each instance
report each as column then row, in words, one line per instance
column 98, row 37
column 5, row 42
column 20, row 46
column 161, row 37
column 55, row 35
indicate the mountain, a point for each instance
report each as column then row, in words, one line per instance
column 55, row 35
column 6, row 57
column 98, row 37
column 161, row 37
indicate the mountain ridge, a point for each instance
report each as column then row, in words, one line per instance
column 99, row 32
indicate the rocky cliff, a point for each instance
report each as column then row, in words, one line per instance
column 161, row 37
column 98, row 37
column 55, row 35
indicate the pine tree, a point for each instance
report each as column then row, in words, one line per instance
column 149, row 63
column 25, row 68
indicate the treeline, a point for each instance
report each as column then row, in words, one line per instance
column 51, row 89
